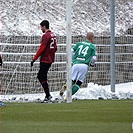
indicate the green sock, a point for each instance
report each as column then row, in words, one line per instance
column 73, row 83
column 75, row 88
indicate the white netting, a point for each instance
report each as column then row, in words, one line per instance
column 17, row 77
column 20, row 38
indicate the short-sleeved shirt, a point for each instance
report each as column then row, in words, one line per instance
column 83, row 52
column 47, row 48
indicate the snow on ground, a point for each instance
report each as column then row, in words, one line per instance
column 95, row 91
column 92, row 91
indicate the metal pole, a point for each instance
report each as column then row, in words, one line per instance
column 68, row 50
column 112, row 47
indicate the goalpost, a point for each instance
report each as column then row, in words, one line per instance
column 68, row 50
column 112, row 43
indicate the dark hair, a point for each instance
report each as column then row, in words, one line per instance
column 45, row 23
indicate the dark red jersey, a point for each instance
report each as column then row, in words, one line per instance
column 47, row 49
column 0, row 61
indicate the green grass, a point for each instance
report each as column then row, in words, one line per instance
column 87, row 116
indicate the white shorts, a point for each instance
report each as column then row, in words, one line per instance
column 79, row 72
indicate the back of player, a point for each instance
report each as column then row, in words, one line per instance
column 49, row 42
column 83, row 52
column 84, row 56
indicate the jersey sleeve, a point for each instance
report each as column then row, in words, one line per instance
column 42, row 47
column 72, row 53
column 39, row 52
column 44, row 40
column 75, row 47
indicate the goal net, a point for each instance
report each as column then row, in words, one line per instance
column 20, row 38
column 18, row 78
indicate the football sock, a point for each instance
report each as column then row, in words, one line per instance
column 73, row 82
column 75, row 88
column 46, row 88
column 47, row 92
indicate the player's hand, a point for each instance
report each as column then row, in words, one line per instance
column 32, row 62
column 92, row 65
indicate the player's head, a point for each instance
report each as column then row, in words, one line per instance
column 44, row 25
column 90, row 36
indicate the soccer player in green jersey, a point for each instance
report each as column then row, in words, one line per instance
column 84, row 55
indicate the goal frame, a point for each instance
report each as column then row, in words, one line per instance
column 68, row 50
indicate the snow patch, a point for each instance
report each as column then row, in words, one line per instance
column 92, row 91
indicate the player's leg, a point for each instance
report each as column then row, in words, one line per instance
column 74, row 75
column 42, row 77
column 64, row 88
column 79, row 72
column 82, row 72
column 76, row 87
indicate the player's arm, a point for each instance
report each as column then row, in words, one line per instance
column 40, row 50
column 94, row 57
column 75, row 47
column 72, row 53
column 93, row 60
column 38, row 53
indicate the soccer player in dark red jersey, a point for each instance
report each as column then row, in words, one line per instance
column 0, row 61
column 46, row 52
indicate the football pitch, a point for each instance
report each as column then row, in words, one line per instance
column 80, row 116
